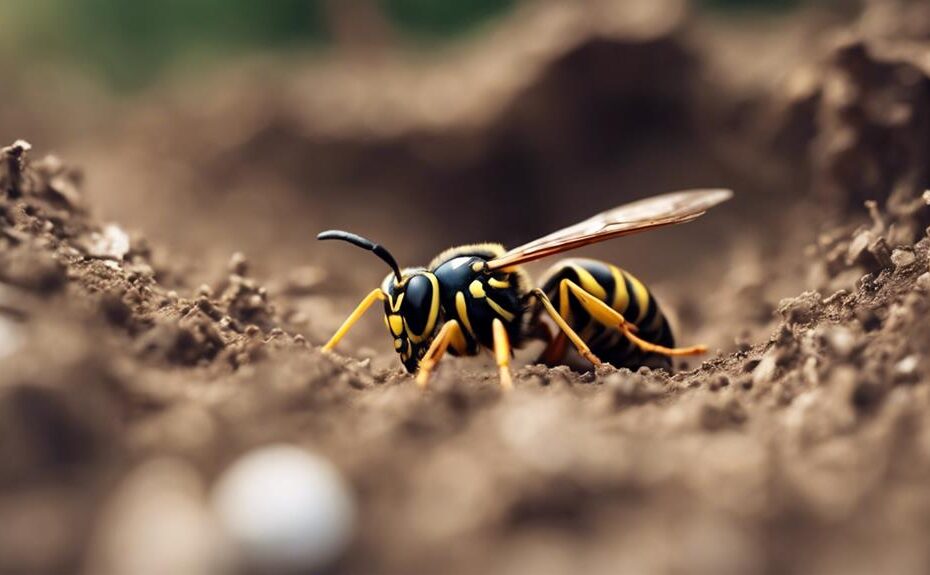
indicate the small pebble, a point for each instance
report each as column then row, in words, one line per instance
column 800, row 309
column 765, row 371
column 859, row 246
column 111, row 242
column 923, row 282
column 881, row 252
column 238, row 264
column 907, row 366
column 18, row 148
column 840, row 340
column 286, row 508
column 902, row 258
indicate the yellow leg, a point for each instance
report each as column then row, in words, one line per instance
column 375, row 295
column 612, row 318
column 502, row 353
column 579, row 343
column 567, row 285
column 447, row 333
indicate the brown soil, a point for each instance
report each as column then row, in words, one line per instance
column 800, row 445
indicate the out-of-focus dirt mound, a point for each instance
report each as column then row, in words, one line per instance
column 550, row 113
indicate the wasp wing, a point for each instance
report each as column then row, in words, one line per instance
column 632, row 218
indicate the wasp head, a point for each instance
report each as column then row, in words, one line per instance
column 411, row 313
column 411, row 301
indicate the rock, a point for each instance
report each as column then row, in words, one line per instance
column 902, row 257
column 286, row 509
column 858, row 247
column 111, row 243
column 840, row 340
column 923, row 282
column 238, row 264
column 881, row 252
column 13, row 160
column 801, row 309
column 906, row 369
column 62, row 182
column 765, row 371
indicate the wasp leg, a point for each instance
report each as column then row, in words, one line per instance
column 612, row 318
column 449, row 333
column 502, row 353
column 371, row 298
column 567, row 285
column 579, row 343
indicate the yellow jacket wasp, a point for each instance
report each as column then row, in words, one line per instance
column 477, row 296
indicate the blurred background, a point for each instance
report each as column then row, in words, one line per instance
column 222, row 126
column 129, row 47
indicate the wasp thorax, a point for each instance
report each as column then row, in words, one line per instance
column 411, row 312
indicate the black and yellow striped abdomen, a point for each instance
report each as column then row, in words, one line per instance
column 622, row 292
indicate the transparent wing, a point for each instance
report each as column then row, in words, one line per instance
column 632, row 218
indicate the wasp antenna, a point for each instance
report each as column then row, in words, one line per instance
column 363, row 243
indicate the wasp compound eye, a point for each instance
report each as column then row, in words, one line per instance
column 418, row 303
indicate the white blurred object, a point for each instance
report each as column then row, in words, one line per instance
column 158, row 522
column 286, row 508
column 112, row 242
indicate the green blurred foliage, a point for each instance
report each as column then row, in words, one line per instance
column 438, row 18
column 130, row 42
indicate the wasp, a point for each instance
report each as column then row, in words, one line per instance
column 476, row 297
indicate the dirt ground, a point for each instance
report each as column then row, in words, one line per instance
column 161, row 298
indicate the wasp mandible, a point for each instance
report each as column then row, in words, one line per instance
column 478, row 296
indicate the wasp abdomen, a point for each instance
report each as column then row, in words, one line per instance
column 622, row 292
